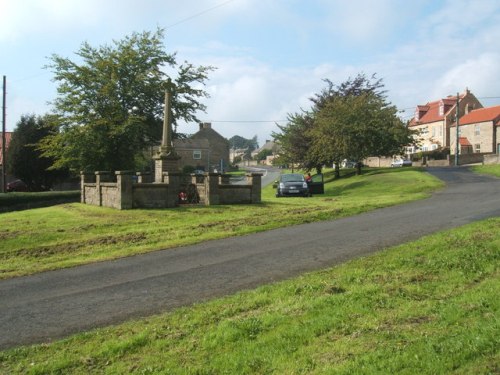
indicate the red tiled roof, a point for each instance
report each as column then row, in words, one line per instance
column 482, row 115
column 431, row 110
column 8, row 136
column 463, row 141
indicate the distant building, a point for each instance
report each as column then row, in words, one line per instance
column 478, row 132
column 434, row 119
column 269, row 145
column 206, row 150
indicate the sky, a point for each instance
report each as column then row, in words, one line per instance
column 271, row 56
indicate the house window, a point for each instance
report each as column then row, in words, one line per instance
column 477, row 147
column 197, row 154
column 477, row 130
column 434, row 131
column 434, row 147
column 440, row 131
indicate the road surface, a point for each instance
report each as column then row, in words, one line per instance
column 55, row 304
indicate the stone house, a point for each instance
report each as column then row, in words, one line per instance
column 478, row 132
column 205, row 150
column 268, row 145
column 434, row 119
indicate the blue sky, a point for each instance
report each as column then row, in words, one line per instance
column 271, row 56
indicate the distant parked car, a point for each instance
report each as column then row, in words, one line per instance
column 401, row 163
column 17, row 185
column 292, row 184
column 348, row 164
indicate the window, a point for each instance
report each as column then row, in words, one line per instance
column 434, row 147
column 477, row 130
column 440, row 131
column 477, row 147
column 434, row 131
column 197, row 154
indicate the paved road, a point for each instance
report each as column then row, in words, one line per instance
column 55, row 304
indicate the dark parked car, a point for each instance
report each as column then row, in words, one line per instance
column 17, row 185
column 292, row 184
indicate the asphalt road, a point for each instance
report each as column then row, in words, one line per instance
column 55, row 304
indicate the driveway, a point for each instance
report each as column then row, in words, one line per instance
column 55, row 304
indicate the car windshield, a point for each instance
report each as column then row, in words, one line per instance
column 293, row 177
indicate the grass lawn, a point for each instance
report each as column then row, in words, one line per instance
column 49, row 238
column 427, row 307
column 493, row 169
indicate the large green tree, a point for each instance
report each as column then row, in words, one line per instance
column 356, row 127
column 239, row 142
column 25, row 160
column 109, row 106
column 351, row 120
column 294, row 141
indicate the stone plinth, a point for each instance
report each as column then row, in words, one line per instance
column 165, row 163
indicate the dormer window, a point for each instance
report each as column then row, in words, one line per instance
column 417, row 114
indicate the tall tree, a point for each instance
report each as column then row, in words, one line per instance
column 109, row 103
column 25, row 160
column 294, row 141
column 355, row 127
column 239, row 142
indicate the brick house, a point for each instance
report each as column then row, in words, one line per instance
column 434, row 119
column 478, row 132
column 205, row 150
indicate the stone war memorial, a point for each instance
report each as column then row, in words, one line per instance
column 170, row 187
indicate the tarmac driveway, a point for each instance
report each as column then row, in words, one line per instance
column 55, row 304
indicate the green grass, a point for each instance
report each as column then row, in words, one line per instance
column 72, row 234
column 427, row 307
column 493, row 169
column 9, row 200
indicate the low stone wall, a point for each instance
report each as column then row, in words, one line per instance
column 491, row 159
column 377, row 162
column 126, row 189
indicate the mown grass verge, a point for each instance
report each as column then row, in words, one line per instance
column 493, row 169
column 427, row 307
column 73, row 234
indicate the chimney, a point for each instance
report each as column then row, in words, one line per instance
column 205, row 125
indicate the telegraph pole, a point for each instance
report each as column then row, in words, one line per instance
column 4, row 141
column 457, row 140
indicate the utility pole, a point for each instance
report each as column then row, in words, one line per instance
column 457, row 132
column 4, row 140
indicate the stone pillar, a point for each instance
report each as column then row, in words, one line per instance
column 224, row 179
column 85, row 178
column 212, row 189
column 255, row 180
column 143, row 177
column 124, row 184
column 165, row 163
column 100, row 177
column 167, row 160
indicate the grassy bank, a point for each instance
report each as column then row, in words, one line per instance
column 493, row 169
column 72, row 234
column 428, row 307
